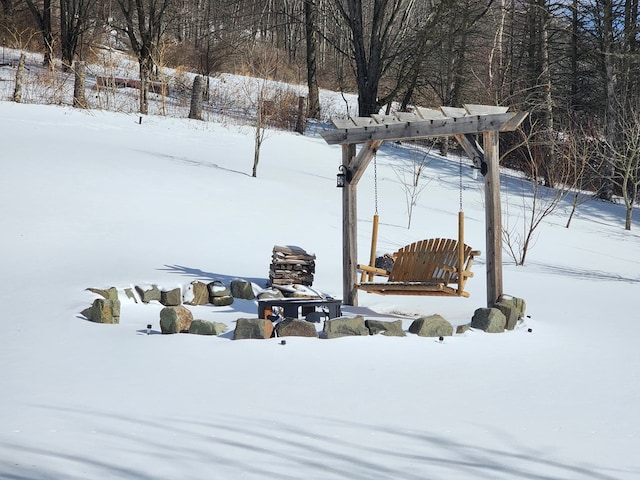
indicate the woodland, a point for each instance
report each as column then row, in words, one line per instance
column 572, row 64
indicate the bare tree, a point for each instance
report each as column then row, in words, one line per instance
column 376, row 30
column 43, row 21
column 519, row 227
column 144, row 24
column 626, row 162
column 74, row 21
column 410, row 175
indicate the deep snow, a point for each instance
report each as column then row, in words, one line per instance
column 94, row 199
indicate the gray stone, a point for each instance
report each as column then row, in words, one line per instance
column 390, row 329
column 460, row 329
column 217, row 289
column 129, row 293
column 222, row 301
column 242, row 289
column 491, row 320
column 247, row 328
column 510, row 311
column 270, row 293
column 431, row 326
column 204, row 327
column 345, row 326
column 103, row 311
column 518, row 303
column 110, row 293
column 171, row 298
column 149, row 294
column 196, row 293
column 175, row 319
column 293, row 327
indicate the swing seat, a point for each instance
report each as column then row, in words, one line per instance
column 428, row 267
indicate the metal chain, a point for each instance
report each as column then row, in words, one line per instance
column 460, row 183
column 375, row 181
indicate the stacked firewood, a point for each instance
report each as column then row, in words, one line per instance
column 291, row 265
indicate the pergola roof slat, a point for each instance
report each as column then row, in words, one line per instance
column 408, row 129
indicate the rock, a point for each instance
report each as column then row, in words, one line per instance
column 171, row 298
column 175, row 319
column 129, row 293
column 247, row 328
column 196, row 293
column 110, row 293
column 149, row 294
column 103, row 311
column 292, row 327
column 460, row 329
column 345, row 326
column 491, row 320
column 242, row 289
column 270, row 293
column 431, row 326
column 217, row 289
column 203, row 327
column 390, row 329
column 510, row 312
column 518, row 303
column 222, row 301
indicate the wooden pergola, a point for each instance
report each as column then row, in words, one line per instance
column 461, row 123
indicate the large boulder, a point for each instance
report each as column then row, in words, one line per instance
column 390, row 329
column 103, row 311
column 431, row 326
column 171, row 298
column 204, row 327
column 345, row 326
column 292, row 327
column 175, row 319
column 491, row 320
column 196, row 293
column 148, row 294
column 247, row 328
column 242, row 289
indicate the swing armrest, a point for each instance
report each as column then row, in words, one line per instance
column 374, row 270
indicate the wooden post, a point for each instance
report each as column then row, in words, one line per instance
column 493, row 217
column 368, row 277
column 349, row 231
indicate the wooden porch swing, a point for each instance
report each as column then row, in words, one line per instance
column 436, row 266
column 430, row 267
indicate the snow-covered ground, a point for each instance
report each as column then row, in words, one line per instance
column 95, row 199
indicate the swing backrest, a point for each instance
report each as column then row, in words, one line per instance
column 432, row 260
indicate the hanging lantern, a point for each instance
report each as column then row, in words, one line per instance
column 343, row 177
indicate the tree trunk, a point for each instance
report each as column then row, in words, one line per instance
column 17, row 92
column 79, row 99
column 311, row 16
column 606, row 189
column 195, row 112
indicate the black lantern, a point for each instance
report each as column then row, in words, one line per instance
column 343, row 177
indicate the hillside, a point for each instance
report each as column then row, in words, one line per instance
column 97, row 199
